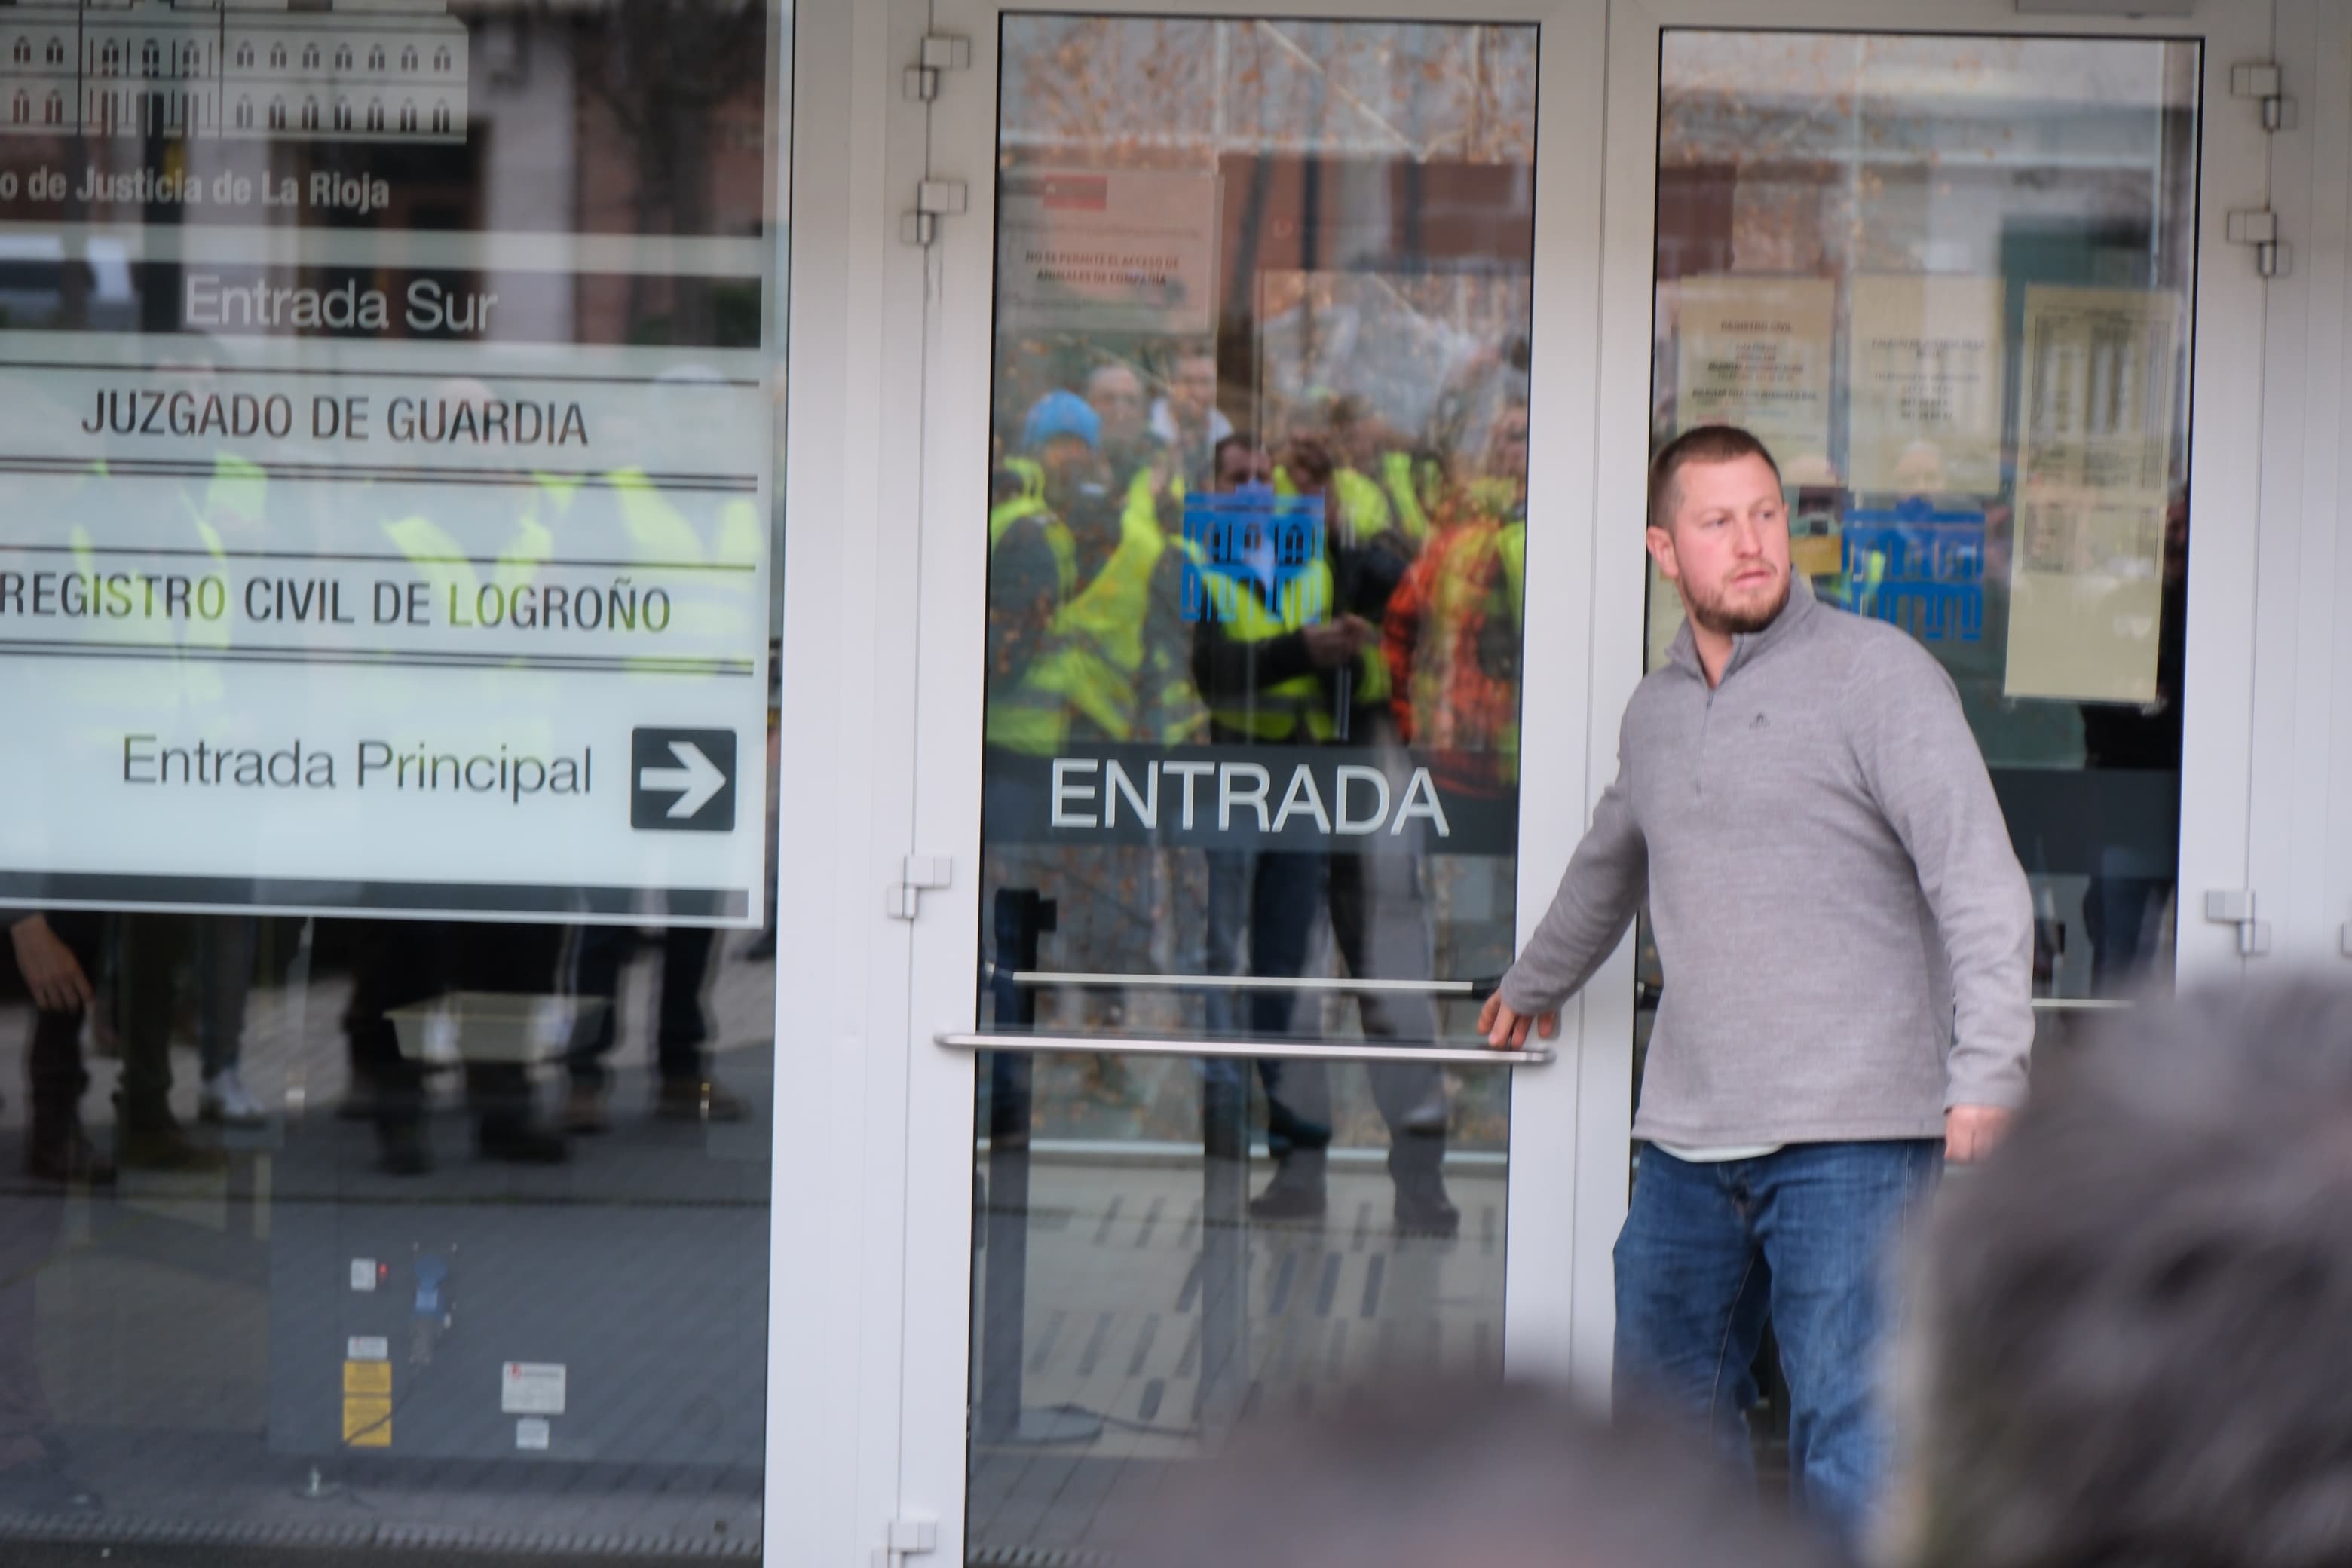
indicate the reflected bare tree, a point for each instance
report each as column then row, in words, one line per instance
column 666, row 70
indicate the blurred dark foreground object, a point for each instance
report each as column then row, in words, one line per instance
column 1467, row 1476
column 2133, row 1342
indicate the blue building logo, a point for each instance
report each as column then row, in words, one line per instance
column 1254, row 539
column 1917, row 568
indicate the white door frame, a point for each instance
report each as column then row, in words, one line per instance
column 2223, row 748
column 845, row 789
column 951, row 613
column 1590, row 396
column 2301, row 832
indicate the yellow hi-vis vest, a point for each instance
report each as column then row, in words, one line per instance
column 1031, row 502
column 1513, row 545
column 1095, row 647
column 1278, row 712
column 1367, row 511
column 1404, row 479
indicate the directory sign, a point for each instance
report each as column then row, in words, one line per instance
column 361, row 555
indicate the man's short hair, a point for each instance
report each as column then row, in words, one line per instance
column 1707, row 444
column 2133, row 1334
column 1309, row 462
column 1469, row 1475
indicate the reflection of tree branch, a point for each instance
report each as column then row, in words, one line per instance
column 663, row 70
column 1324, row 83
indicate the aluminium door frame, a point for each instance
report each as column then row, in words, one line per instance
column 959, row 329
column 2224, row 753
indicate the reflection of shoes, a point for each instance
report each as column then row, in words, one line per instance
column 162, row 1146
column 224, row 1100
column 698, row 1100
column 583, row 1109
column 45, row 1488
column 404, row 1153
column 1430, row 1114
column 1423, row 1209
column 66, row 1158
column 1287, row 1201
column 1295, row 1192
column 521, row 1143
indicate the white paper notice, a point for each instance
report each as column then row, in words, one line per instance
column 2096, row 403
column 531, row 1388
column 2085, row 597
column 367, row 1347
column 1756, row 353
column 531, row 1432
column 1107, row 250
column 362, row 1273
column 1924, row 376
column 2097, row 390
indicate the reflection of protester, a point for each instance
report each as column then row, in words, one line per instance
column 34, row 1474
column 1804, row 1080
column 56, row 955
column 1116, row 395
column 224, row 958
column 1085, row 578
column 156, row 951
column 2134, row 879
column 1275, row 671
column 1187, row 419
column 1453, row 630
column 681, row 1027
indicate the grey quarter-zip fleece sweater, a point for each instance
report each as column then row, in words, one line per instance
column 1846, row 933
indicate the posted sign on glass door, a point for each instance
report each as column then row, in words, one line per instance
column 360, row 554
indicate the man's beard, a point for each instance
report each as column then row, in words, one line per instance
column 1717, row 617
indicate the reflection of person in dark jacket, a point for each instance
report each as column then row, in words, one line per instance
column 56, row 957
column 1304, row 685
column 2133, row 880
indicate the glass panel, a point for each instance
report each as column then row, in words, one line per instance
column 1949, row 279
column 375, row 502
column 1257, row 526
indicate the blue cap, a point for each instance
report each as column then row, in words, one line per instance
column 1061, row 413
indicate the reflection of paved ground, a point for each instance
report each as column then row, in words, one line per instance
column 1120, row 1286
column 189, row 1331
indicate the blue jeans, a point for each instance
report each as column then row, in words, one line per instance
column 1802, row 1237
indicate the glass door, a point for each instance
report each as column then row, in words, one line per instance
column 1232, row 523
column 1955, row 278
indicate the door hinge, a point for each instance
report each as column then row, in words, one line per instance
column 934, row 199
column 2258, row 226
column 2266, row 85
column 2235, row 907
column 902, row 899
column 907, row 1538
column 942, row 53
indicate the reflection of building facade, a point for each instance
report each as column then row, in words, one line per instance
column 369, row 70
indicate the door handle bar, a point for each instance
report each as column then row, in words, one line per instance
column 1414, row 1051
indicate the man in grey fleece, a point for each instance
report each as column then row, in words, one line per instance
column 1847, row 941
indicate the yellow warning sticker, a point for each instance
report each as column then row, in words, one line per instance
column 367, row 1377
column 367, row 1421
